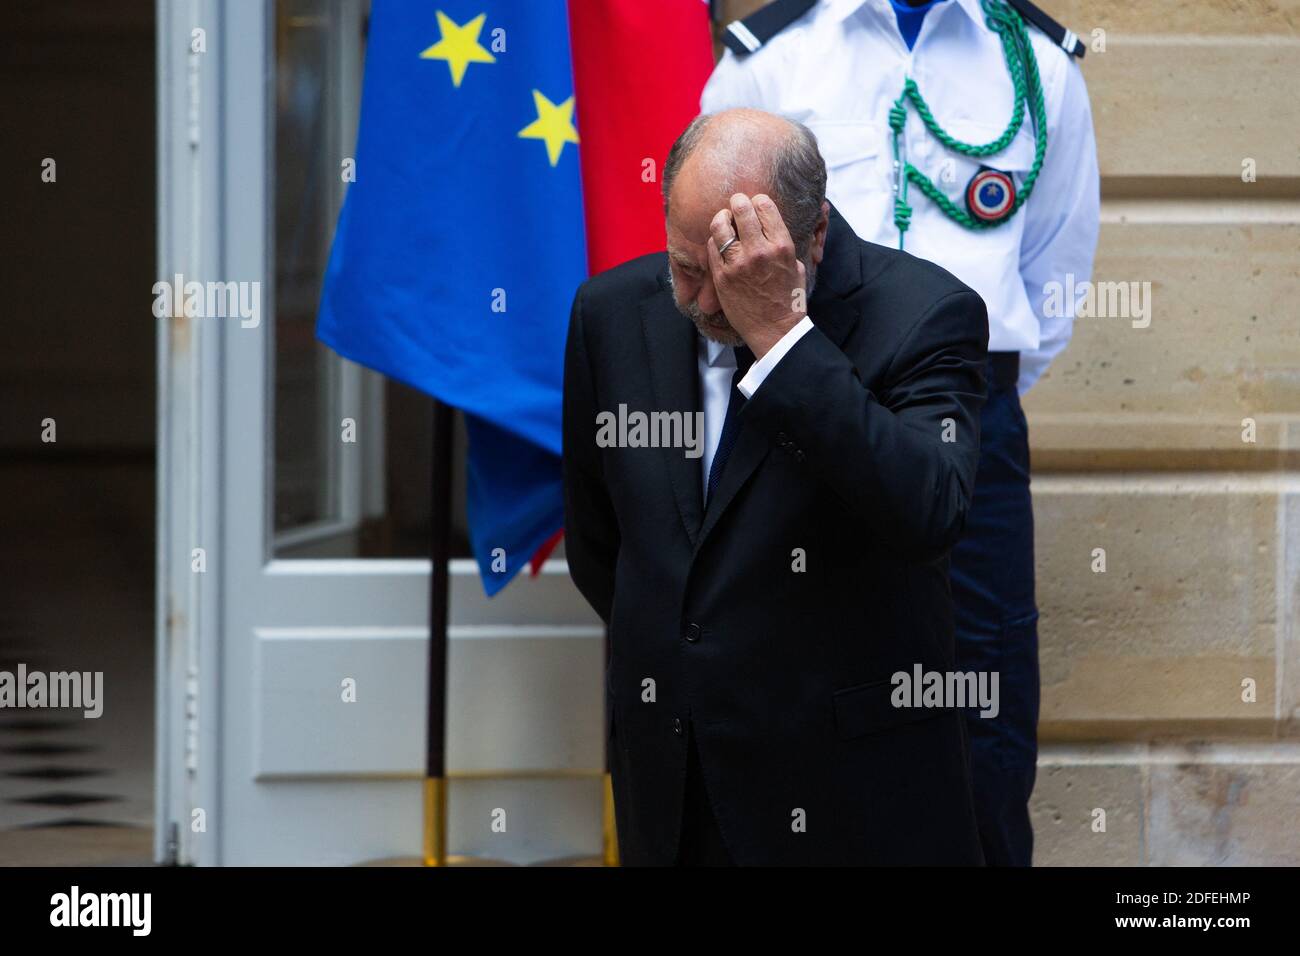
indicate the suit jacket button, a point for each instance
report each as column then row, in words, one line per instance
column 798, row 454
column 677, row 726
column 780, row 437
column 693, row 632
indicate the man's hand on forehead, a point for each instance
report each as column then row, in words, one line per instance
column 759, row 281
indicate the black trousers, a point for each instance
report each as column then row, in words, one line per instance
column 992, row 573
column 701, row 841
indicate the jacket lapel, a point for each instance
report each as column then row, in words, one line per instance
column 838, row 276
column 750, row 449
column 670, row 340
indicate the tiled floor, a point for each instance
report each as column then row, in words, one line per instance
column 76, row 593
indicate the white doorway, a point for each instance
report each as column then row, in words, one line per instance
column 285, row 557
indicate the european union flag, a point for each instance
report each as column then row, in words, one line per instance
column 461, row 242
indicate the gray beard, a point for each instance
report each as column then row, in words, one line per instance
column 714, row 325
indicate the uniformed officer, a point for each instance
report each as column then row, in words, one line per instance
column 960, row 131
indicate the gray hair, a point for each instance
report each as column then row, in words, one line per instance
column 796, row 171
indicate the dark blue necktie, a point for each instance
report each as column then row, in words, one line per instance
column 731, row 423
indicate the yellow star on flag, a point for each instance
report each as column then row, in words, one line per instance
column 554, row 125
column 459, row 46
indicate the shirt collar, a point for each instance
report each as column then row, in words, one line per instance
column 839, row 10
column 715, row 353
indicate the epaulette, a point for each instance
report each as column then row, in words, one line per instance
column 1067, row 40
column 745, row 36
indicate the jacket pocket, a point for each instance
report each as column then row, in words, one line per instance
column 868, row 708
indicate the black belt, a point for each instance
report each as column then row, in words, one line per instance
column 1003, row 369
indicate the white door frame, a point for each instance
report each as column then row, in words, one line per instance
column 242, row 645
column 187, row 603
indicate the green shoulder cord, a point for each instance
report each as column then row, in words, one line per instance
column 1023, row 67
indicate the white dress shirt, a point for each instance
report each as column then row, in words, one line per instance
column 717, row 364
column 839, row 68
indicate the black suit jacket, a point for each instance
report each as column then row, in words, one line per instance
column 784, row 674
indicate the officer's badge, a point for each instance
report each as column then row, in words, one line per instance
column 990, row 194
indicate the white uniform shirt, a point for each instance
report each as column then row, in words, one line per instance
column 839, row 68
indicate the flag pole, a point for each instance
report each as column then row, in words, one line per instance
column 608, row 855
column 609, row 830
column 435, row 764
column 435, row 777
column 434, row 843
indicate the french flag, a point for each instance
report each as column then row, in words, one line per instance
column 638, row 71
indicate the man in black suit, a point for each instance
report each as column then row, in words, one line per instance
column 765, row 579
